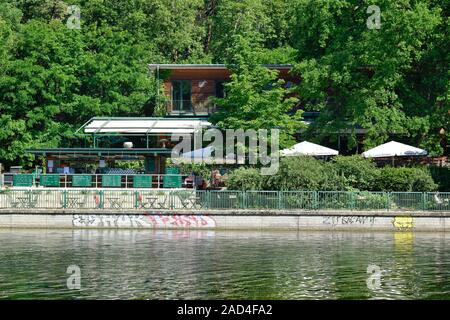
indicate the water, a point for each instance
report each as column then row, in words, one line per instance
column 133, row 264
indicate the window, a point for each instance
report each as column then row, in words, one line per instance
column 181, row 96
column 220, row 90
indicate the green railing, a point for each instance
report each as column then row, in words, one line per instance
column 126, row 181
column 191, row 199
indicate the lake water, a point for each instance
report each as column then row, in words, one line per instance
column 134, row 264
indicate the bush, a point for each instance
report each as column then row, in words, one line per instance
column 405, row 179
column 200, row 169
column 245, row 179
column 333, row 180
column 371, row 201
column 342, row 174
column 297, row 173
column 360, row 173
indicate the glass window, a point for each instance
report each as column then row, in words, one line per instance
column 220, row 90
column 181, row 95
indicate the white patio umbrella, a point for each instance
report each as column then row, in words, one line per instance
column 204, row 155
column 394, row 149
column 306, row 148
column 199, row 153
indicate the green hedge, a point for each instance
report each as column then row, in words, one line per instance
column 245, row 179
column 341, row 174
column 405, row 179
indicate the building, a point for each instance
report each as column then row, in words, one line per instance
column 187, row 94
column 188, row 88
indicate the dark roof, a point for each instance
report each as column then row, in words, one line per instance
column 155, row 66
column 97, row 151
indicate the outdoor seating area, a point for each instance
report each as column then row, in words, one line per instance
column 182, row 199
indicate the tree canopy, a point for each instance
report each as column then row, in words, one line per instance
column 392, row 80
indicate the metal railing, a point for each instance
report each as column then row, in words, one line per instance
column 96, row 181
column 191, row 199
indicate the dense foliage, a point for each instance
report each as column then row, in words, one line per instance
column 255, row 98
column 392, row 81
column 341, row 174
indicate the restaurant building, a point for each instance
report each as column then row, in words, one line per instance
column 186, row 92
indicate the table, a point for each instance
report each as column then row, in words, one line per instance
column 115, row 203
column 73, row 202
column 29, row 201
column 24, row 202
column 151, row 201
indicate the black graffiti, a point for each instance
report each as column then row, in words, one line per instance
column 347, row 220
column 111, row 221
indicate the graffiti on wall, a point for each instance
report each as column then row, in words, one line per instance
column 142, row 221
column 348, row 220
column 403, row 223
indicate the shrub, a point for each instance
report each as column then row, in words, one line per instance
column 332, row 180
column 200, row 169
column 342, row 174
column 371, row 201
column 405, row 179
column 297, row 173
column 245, row 179
column 360, row 173
column 299, row 200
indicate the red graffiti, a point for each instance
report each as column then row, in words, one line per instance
column 181, row 221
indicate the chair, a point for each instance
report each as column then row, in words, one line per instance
column 437, row 199
column 441, row 201
column 34, row 197
column 12, row 201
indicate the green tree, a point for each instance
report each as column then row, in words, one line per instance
column 54, row 78
column 255, row 97
column 373, row 78
column 234, row 19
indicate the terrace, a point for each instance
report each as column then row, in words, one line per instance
column 144, row 142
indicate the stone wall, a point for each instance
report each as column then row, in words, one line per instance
column 255, row 220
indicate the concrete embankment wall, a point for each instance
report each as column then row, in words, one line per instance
column 417, row 221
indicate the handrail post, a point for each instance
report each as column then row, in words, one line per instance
column 1, row 177
column 388, row 201
column 316, row 200
column 424, row 201
column 136, row 200
column 101, row 199
column 64, row 199
column 280, row 202
column 352, row 200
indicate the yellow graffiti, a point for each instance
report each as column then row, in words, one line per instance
column 403, row 223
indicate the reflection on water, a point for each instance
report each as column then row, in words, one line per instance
column 134, row 264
